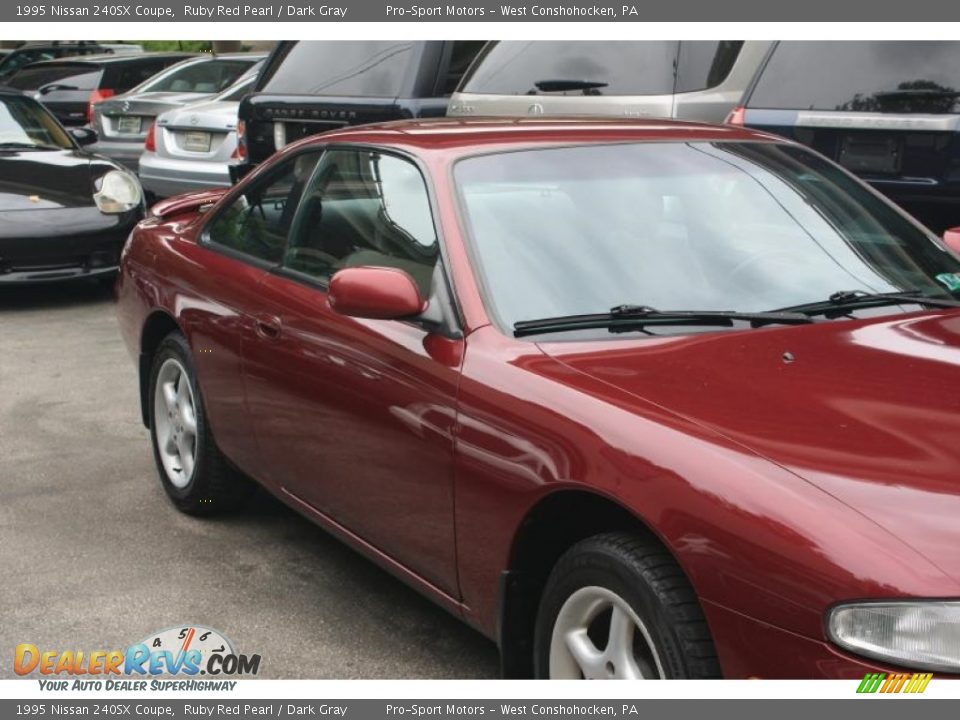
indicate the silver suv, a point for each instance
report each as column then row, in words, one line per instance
column 691, row 80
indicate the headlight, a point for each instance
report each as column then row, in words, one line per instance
column 921, row 635
column 117, row 192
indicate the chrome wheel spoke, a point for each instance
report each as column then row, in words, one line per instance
column 619, row 650
column 185, row 451
column 189, row 419
column 170, row 396
column 585, row 654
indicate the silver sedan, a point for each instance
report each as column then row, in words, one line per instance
column 122, row 121
column 191, row 148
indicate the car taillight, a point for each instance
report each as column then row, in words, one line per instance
column 737, row 116
column 240, row 151
column 95, row 97
column 150, row 143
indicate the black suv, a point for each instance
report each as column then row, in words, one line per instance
column 887, row 111
column 69, row 88
column 309, row 87
column 37, row 51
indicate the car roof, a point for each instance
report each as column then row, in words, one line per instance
column 253, row 56
column 109, row 58
column 468, row 136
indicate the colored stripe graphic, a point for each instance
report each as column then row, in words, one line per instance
column 913, row 683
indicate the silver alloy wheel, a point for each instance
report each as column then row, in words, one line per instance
column 175, row 422
column 598, row 636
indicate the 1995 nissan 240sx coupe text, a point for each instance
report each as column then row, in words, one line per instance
column 636, row 400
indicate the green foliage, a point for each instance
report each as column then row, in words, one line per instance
column 175, row 45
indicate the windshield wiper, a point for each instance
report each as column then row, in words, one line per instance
column 842, row 301
column 565, row 85
column 627, row 318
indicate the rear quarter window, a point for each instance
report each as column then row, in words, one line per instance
column 861, row 77
column 624, row 68
column 460, row 54
column 345, row 68
column 705, row 64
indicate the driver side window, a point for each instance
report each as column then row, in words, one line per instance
column 364, row 208
column 258, row 221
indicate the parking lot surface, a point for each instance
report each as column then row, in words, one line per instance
column 94, row 557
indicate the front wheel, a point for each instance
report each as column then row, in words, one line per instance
column 617, row 606
column 194, row 473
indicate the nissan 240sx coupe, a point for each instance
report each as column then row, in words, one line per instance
column 636, row 399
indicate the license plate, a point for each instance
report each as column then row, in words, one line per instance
column 128, row 124
column 196, row 141
column 871, row 153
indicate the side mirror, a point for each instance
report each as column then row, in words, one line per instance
column 377, row 293
column 83, row 135
column 951, row 239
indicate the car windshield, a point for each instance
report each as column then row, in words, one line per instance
column 898, row 77
column 705, row 226
column 208, row 76
column 24, row 124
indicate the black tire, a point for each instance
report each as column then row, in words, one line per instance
column 647, row 577
column 215, row 485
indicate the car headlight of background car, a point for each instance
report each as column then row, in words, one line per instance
column 117, row 192
column 921, row 635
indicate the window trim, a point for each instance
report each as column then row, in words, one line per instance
column 453, row 323
column 205, row 240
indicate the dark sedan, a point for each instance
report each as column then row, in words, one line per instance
column 64, row 213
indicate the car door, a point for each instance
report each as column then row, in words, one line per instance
column 354, row 417
column 245, row 236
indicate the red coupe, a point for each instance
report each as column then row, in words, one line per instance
column 635, row 399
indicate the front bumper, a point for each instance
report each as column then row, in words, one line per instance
column 63, row 244
column 750, row 648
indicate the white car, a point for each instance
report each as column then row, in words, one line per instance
column 191, row 147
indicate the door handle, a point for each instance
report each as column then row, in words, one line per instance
column 267, row 326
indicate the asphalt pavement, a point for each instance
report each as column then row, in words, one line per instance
column 94, row 557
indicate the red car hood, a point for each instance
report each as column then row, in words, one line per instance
column 867, row 410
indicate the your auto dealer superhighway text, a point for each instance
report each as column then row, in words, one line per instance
column 275, row 11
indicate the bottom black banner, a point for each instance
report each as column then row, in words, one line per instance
column 890, row 708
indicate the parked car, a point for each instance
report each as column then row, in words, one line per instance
column 191, row 148
column 310, row 87
column 637, row 399
column 70, row 88
column 32, row 52
column 123, row 121
column 690, row 79
column 887, row 111
column 64, row 213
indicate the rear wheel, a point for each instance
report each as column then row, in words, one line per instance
column 194, row 473
column 617, row 606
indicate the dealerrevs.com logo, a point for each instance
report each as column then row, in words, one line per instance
column 187, row 651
